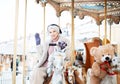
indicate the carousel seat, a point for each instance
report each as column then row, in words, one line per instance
column 88, row 45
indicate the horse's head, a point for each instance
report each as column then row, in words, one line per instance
column 71, row 78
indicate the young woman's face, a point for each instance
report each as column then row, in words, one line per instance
column 53, row 34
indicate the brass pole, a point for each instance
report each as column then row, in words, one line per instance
column 44, row 13
column 110, row 23
column 105, row 22
column 15, row 42
column 72, row 33
column 110, row 32
column 24, row 47
column 99, row 30
column 59, row 21
column 59, row 17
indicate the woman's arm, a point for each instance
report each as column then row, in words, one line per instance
column 43, row 55
column 41, row 49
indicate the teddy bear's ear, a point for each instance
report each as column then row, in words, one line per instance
column 93, row 51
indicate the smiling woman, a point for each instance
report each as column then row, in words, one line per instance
column 56, row 44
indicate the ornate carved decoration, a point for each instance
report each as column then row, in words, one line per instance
column 93, row 8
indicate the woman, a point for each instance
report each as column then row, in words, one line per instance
column 40, row 73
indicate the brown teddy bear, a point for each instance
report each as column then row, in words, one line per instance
column 102, row 65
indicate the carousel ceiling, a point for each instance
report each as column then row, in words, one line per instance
column 93, row 8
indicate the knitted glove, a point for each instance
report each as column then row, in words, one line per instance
column 37, row 39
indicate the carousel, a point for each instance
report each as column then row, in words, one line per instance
column 80, row 67
column 100, row 10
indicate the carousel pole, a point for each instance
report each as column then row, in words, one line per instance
column 99, row 27
column 105, row 28
column 110, row 32
column 59, row 18
column 99, row 30
column 110, row 22
column 15, row 41
column 59, row 21
column 44, row 23
column 24, row 48
column 44, row 13
column 72, row 33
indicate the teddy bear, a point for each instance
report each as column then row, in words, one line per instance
column 101, row 68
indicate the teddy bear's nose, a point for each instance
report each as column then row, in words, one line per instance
column 107, row 58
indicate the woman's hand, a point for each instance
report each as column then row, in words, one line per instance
column 37, row 39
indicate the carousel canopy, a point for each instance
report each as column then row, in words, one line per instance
column 93, row 8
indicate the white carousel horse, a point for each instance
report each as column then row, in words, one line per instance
column 56, row 63
column 71, row 77
column 58, row 69
column 56, row 66
column 116, row 64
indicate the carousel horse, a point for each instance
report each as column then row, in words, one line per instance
column 78, row 59
column 80, row 76
column 56, row 65
column 76, row 75
column 71, row 77
column 80, row 71
column 116, row 64
column 77, row 72
column 116, row 67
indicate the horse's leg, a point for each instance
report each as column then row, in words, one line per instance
column 84, row 74
column 77, row 79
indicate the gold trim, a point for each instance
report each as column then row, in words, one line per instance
column 105, row 28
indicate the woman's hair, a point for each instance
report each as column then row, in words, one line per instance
column 54, row 26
